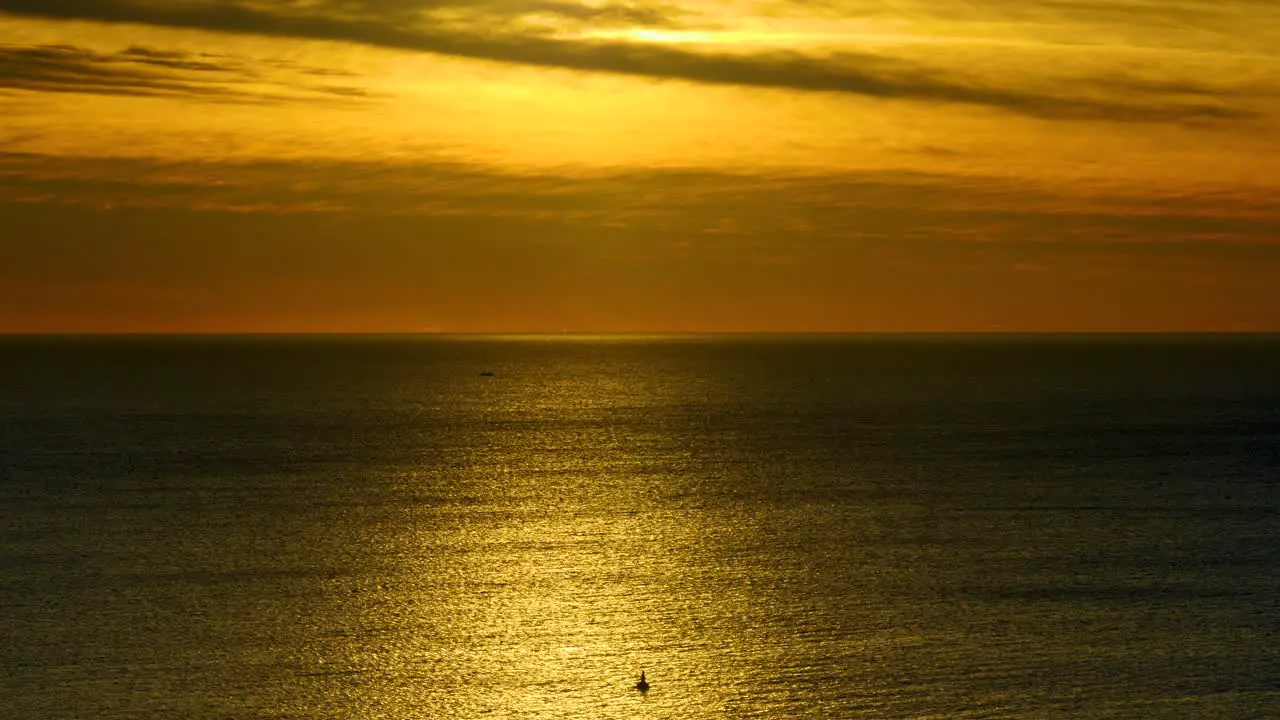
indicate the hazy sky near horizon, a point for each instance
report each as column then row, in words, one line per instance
column 687, row 165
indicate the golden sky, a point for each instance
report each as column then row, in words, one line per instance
column 691, row 165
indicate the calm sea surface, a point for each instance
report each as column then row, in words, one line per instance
column 930, row 527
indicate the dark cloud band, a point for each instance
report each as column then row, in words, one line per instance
column 374, row 23
column 145, row 71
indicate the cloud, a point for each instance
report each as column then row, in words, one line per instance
column 709, row 208
column 63, row 68
column 450, row 235
column 486, row 31
column 1141, row 14
column 143, row 71
column 608, row 15
column 334, row 19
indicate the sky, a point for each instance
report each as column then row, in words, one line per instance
column 543, row 166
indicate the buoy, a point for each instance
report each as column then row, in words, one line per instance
column 643, row 685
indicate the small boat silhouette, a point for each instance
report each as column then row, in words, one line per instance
column 643, row 685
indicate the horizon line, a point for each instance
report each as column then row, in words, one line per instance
column 636, row 334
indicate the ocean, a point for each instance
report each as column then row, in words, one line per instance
column 888, row 527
